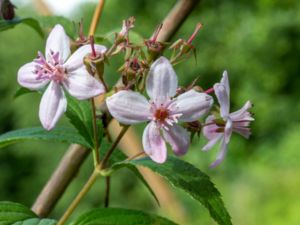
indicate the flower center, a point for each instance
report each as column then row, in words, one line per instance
column 51, row 69
column 164, row 114
column 161, row 114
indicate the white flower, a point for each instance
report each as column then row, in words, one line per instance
column 163, row 111
column 61, row 72
column 238, row 121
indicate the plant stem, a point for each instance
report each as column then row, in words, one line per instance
column 112, row 148
column 96, row 138
column 107, row 192
column 78, row 198
column 96, row 17
column 135, row 156
column 111, row 50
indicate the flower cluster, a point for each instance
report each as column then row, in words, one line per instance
column 169, row 110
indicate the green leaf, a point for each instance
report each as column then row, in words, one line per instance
column 36, row 221
column 190, row 179
column 113, row 216
column 22, row 91
column 80, row 115
column 48, row 22
column 11, row 212
column 8, row 24
column 62, row 134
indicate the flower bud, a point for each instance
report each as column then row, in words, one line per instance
column 123, row 34
column 154, row 47
column 7, row 10
column 194, row 127
column 131, row 70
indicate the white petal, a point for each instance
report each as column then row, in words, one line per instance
column 129, row 107
column 244, row 131
column 27, row 78
column 221, row 154
column 223, row 99
column 162, row 80
column 225, row 82
column 52, row 106
column 153, row 143
column 212, row 142
column 178, row 138
column 192, row 105
column 228, row 130
column 58, row 41
column 76, row 59
column 209, row 131
column 81, row 85
column 242, row 114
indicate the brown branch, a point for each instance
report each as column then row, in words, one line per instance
column 175, row 18
column 75, row 156
column 60, row 179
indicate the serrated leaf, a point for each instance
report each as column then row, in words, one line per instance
column 61, row 134
column 190, row 179
column 48, row 22
column 80, row 115
column 116, row 216
column 8, row 24
column 36, row 221
column 11, row 212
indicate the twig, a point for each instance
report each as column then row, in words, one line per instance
column 78, row 198
column 96, row 17
column 107, row 192
column 60, row 179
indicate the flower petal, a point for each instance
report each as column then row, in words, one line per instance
column 212, row 142
column 81, row 85
column 52, row 106
column 162, row 80
column 225, row 82
column 27, row 78
column 153, row 143
column 58, row 41
column 209, row 131
column 223, row 99
column 228, row 130
column 242, row 114
column 129, row 107
column 76, row 59
column 244, row 131
column 178, row 138
column 221, row 154
column 192, row 105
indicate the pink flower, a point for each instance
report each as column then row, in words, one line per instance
column 220, row 129
column 61, row 72
column 163, row 111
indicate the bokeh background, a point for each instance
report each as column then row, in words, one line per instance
column 257, row 41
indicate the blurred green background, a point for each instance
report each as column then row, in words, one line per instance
column 258, row 42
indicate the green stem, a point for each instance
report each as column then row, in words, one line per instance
column 111, row 50
column 78, row 198
column 112, row 148
column 96, row 138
